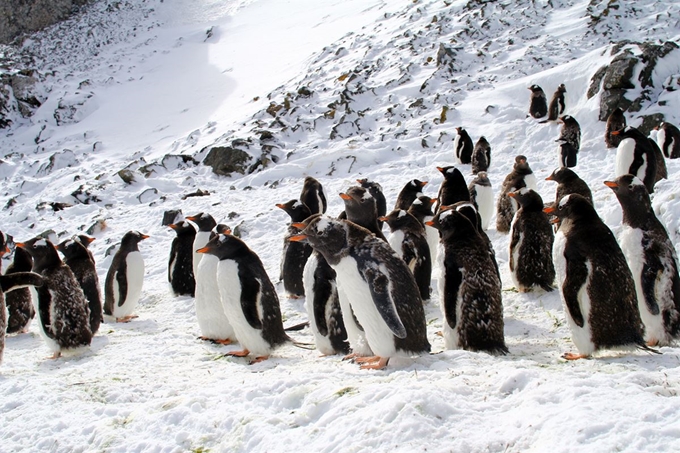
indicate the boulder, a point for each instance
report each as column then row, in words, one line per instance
column 225, row 160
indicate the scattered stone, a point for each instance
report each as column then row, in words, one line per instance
column 127, row 176
column 198, row 193
column 225, row 160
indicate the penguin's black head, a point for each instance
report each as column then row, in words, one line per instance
column 224, row 246
column 131, row 239
column 400, row 218
column 482, row 179
column 536, row 89
column 483, row 142
column 72, row 248
column 328, row 236
column 297, row 210
column 183, row 227
column 372, row 186
column 310, row 183
column 43, row 252
column 562, row 88
column 562, row 175
column 528, row 199
column 631, row 193
column 421, row 207
column 203, row 220
column 521, row 164
column 417, row 184
column 452, row 223
column 572, row 206
column 84, row 239
column 470, row 212
column 358, row 198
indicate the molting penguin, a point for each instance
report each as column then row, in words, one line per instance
column 81, row 262
column 360, row 208
column 421, row 209
column 481, row 195
column 312, row 196
column 557, row 106
column 248, row 297
column 20, row 307
column 570, row 132
column 408, row 194
column 205, row 223
column 520, row 176
column 481, row 156
column 382, row 291
column 295, row 254
column 180, row 264
column 595, row 283
column 463, row 146
column 652, row 260
column 409, row 241
column 531, row 241
column 469, row 287
column 538, row 106
column 569, row 182
column 635, row 155
column 376, row 192
column 124, row 279
column 62, row 307
column 668, row 139
column 615, row 122
column 567, row 154
column 453, row 188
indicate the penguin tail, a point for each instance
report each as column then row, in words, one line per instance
column 301, row 345
column 296, row 327
column 548, row 288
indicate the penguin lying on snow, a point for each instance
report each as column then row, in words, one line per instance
column 124, row 279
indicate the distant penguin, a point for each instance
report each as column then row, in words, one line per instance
column 81, row 262
column 180, row 263
column 360, row 208
column 312, row 196
column 520, row 176
column 409, row 240
column 382, row 291
column 453, row 188
column 421, row 209
column 635, row 155
column 408, row 194
column 20, row 306
column 615, row 122
column 481, row 195
column 595, row 283
column 557, row 105
column 62, row 307
column 210, row 313
column 463, row 146
column 295, row 254
column 469, row 287
column 668, row 139
column 376, row 192
column 481, row 156
column 568, row 155
column 205, row 223
column 569, row 182
column 538, row 106
column 652, row 260
column 124, row 279
column 248, row 297
column 570, row 132
column 531, row 241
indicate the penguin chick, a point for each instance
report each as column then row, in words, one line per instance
column 360, row 208
column 124, row 279
column 180, row 263
column 481, row 156
column 481, row 196
column 615, row 122
column 520, row 176
column 463, row 146
column 453, row 188
column 295, row 254
column 409, row 193
column 567, row 154
column 557, row 105
column 376, row 192
column 570, row 132
column 20, row 306
column 312, row 196
column 538, row 107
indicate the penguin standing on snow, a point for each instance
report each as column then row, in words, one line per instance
column 421, row 209
column 124, row 279
column 382, row 291
column 595, row 283
column 668, row 139
column 557, row 105
column 376, row 192
column 469, row 287
column 538, row 107
column 568, row 155
column 481, row 196
column 652, row 260
column 463, row 146
column 531, row 241
column 180, row 264
column 453, row 188
column 636, row 156
column 312, row 196
column 481, row 156
column 295, row 254
column 78, row 258
column 409, row 241
column 570, row 132
column 205, row 223
column 20, row 307
column 360, row 208
column 248, row 297
column 520, row 176
column 615, row 122
column 408, row 194
column 62, row 308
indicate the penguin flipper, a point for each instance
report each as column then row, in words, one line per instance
column 20, row 280
column 454, row 278
column 380, row 292
column 650, row 272
column 577, row 275
column 514, row 240
column 121, row 278
column 250, row 288
column 319, row 303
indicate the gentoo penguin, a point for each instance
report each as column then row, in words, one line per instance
column 568, row 155
column 661, row 170
column 205, row 223
column 557, row 106
column 668, row 139
column 409, row 241
column 453, row 188
column 85, row 240
column 295, row 254
column 469, row 287
column 615, row 122
column 538, row 106
column 570, row 132
column 569, row 182
column 463, row 146
column 481, row 195
column 381, row 290
column 520, row 176
column 123, row 285
column 81, row 262
column 376, row 192
column 180, row 263
column 531, row 241
column 360, row 208
column 62, row 307
column 481, row 156
column 409, row 193
column 421, row 209
column 595, row 283
column 652, row 260
column 635, row 155
column 248, row 297
column 210, row 313
column 20, row 307
column 312, row 196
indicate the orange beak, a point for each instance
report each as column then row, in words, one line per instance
column 423, row 183
column 89, row 240
column 298, row 238
column 279, row 205
column 549, row 209
column 193, row 218
column 20, row 244
column 203, row 250
column 555, row 220
column 549, row 178
column 615, row 132
column 429, row 223
column 446, row 208
column 344, row 196
column 611, row 184
column 441, row 169
column 144, row 236
column 298, row 225
column 512, row 194
column 173, row 226
column 383, row 218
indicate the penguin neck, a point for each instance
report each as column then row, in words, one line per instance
column 50, row 259
column 637, row 214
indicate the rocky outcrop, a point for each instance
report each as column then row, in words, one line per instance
column 25, row 16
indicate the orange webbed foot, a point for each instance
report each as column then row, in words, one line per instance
column 653, row 342
column 55, row 356
column 351, row 356
column 126, row 318
column 242, row 353
column 378, row 363
column 259, row 359
column 572, row 356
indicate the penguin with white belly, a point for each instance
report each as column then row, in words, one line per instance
column 652, row 260
column 248, row 297
column 124, row 279
column 205, row 223
column 668, row 139
column 481, row 195
column 636, row 156
column 463, row 146
column 382, row 291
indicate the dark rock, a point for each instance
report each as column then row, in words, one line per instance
column 610, row 100
column 25, row 16
column 198, row 193
column 649, row 122
column 305, row 92
column 445, row 55
column 226, row 160
column 651, row 53
column 620, row 72
column 596, row 81
column 127, row 176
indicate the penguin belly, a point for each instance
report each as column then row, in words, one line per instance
column 230, row 295
column 395, row 240
column 50, row 342
column 212, row 321
column 135, row 279
column 625, row 154
column 323, row 342
column 378, row 335
column 202, row 238
column 355, row 334
column 457, row 147
column 485, row 203
column 530, row 181
column 661, row 141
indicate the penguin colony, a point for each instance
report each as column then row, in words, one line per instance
column 365, row 292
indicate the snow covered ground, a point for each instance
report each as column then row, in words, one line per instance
column 158, row 78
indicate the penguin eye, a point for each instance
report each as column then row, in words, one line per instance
column 630, row 187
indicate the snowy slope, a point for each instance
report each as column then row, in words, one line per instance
column 385, row 83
